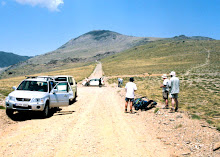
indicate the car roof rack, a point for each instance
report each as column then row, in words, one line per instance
column 45, row 77
column 27, row 77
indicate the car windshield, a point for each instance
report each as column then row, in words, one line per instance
column 94, row 80
column 33, row 86
column 61, row 79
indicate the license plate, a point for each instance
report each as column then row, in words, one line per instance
column 22, row 105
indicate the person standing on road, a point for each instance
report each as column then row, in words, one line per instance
column 130, row 89
column 100, row 82
column 175, row 83
column 165, row 90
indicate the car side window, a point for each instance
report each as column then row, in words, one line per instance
column 70, row 80
column 52, row 84
column 62, row 87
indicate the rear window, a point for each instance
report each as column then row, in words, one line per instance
column 61, row 79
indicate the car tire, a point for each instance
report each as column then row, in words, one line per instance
column 74, row 100
column 9, row 112
column 45, row 112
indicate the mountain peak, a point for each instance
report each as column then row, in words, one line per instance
column 101, row 34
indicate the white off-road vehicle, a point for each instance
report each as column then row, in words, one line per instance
column 38, row 94
column 72, row 83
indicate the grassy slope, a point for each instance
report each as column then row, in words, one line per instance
column 199, row 90
column 40, row 68
column 159, row 57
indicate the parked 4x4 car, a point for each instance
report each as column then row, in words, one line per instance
column 41, row 94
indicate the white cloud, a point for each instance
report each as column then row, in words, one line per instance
column 50, row 4
column 3, row 3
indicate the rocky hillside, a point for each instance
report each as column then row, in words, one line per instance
column 183, row 37
column 92, row 44
column 7, row 59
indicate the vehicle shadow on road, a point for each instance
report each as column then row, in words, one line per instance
column 64, row 113
column 24, row 116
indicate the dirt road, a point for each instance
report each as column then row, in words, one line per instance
column 93, row 126
column 96, row 125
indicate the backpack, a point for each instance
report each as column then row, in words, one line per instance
column 143, row 103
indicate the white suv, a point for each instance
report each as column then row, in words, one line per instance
column 72, row 83
column 38, row 94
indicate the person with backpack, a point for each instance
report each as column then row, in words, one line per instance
column 165, row 90
column 174, row 90
column 130, row 89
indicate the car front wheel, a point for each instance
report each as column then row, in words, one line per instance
column 9, row 112
column 45, row 112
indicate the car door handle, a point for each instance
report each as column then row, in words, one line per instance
column 65, row 95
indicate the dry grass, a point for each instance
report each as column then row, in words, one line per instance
column 199, row 91
column 200, row 103
column 78, row 73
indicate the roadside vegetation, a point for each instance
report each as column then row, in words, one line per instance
column 199, row 89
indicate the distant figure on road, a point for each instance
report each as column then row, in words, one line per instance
column 130, row 89
column 87, row 81
column 175, row 83
column 165, row 90
column 100, row 82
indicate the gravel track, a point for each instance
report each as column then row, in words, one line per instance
column 93, row 126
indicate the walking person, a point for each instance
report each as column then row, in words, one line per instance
column 130, row 89
column 175, row 83
column 165, row 90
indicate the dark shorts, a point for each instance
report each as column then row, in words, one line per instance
column 129, row 99
column 174, row 96
column 165, row 95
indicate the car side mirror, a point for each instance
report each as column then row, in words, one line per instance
column 14, row 88
column 54, row 91
column 71, row 83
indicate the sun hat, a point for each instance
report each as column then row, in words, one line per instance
column 131, row 79
column 173, row 73
column 164, row 76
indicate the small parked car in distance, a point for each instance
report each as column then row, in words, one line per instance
column 38, row 94
column 93, row 82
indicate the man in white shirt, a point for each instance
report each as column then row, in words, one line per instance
column 175, row 83
column 130, row 88
column 165, row 89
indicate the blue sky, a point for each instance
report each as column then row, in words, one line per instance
column 33, row 27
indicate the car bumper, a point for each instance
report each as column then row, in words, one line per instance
column 23, row 106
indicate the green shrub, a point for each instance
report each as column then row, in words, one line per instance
column 194, row 116
column 209, row 121
column 156, row 109
column 2, row 107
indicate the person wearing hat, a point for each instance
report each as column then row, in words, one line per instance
column 130, row 89
column 165, row 89
column 174, row 90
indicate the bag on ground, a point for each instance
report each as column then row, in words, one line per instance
column 143, row 103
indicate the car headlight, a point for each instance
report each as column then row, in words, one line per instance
column 6, row 99
column 39, row 100
column 11, row 98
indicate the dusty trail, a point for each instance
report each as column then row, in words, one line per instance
column 199, row 66
column 93, row 126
